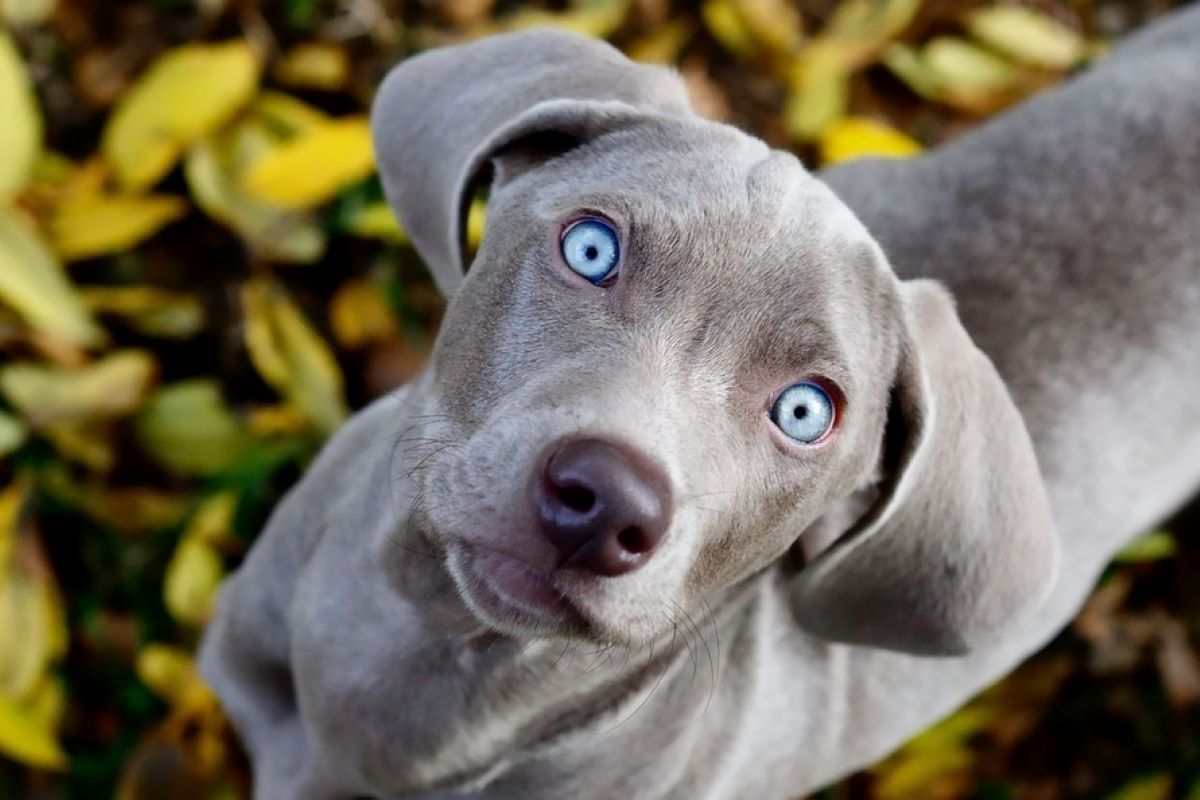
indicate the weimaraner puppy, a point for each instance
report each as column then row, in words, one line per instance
column 710, row 489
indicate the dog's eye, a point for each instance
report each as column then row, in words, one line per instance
column 804, row 411
column 590, row 248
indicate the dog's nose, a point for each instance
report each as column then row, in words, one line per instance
column 603, row 507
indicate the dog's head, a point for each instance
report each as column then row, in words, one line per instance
column 677, row 351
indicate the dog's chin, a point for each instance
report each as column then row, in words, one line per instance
column 510, row 596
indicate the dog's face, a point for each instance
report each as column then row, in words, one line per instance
column 742, row 296
column 674, row 353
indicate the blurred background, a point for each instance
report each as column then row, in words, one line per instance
column 199, row 281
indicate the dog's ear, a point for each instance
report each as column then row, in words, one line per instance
column 441, row 116
column 960, row 541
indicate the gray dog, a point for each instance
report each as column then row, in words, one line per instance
column 709, row 491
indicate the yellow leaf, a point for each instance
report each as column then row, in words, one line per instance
column 964, row 68
column 22, row 13
column 213, row 521
column 774, row 23
column 12, row 434
column 93, row 226
column 928, row 775
column 859, row 29
column 188, row 428
column 185, row 95
column 313, row 167
column 860, row 137
column 272, row 233
column 192, row 578
column 377, row 221
column 476, row 222
column 86, row 443
column 726, row 25
column 33, row 283
column 32, row 622
column 291, row 356
column 1028, row 36
column 314, row 65
column 277, row 420
column 112, row 386
column 130, row 510
column 26, row 739
column 285, row 116
column 21, row 129
column 597, row 18
column 820, row 93
column 664, row 44
column 359, row 314
column 166, row 670
column 148, row 310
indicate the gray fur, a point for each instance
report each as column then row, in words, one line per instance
column 353, row 651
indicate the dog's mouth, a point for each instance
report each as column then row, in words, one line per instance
column 509, row 595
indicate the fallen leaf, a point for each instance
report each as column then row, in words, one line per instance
column 966, row 69
column 34, row 285
column 271, row 233
column 148, row 310
column 1150, row 787
column 129, row 511
column 185, row 95
column 859, row 29
column 110, row 387
column 1155, row 546
column 377, row 221
column 819, row 95
column 1027, row 36
column 776, row 24
column 596, row 18
column 664, row 44
column 25, row 738
column 285, row 116
column 21, row 133
column 291, row 356
column 193, row 575
column 166, row 670
column 188, row 428
column 314, row 65
column 99, row 225
column 12, row 434
column 314, row 166
column 26, row 13
column 861, row 137
column 32, row 635
column 726, row 25
column 359, row 314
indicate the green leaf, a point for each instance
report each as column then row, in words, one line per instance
column 188, row 428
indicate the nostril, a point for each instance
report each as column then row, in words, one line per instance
column 633, row 540
column 577, row 498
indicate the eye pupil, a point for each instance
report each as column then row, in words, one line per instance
column 804, row 412
column 591, row 248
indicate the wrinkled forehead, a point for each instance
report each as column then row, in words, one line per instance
column 759, row 252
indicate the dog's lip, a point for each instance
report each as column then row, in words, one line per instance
column 508, row 592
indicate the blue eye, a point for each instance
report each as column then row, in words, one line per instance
column 590, row 248
column 804, row 412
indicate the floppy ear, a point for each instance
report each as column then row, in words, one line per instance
column 441, row 116
column 960, row 541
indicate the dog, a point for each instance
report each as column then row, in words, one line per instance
column 723, row 478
